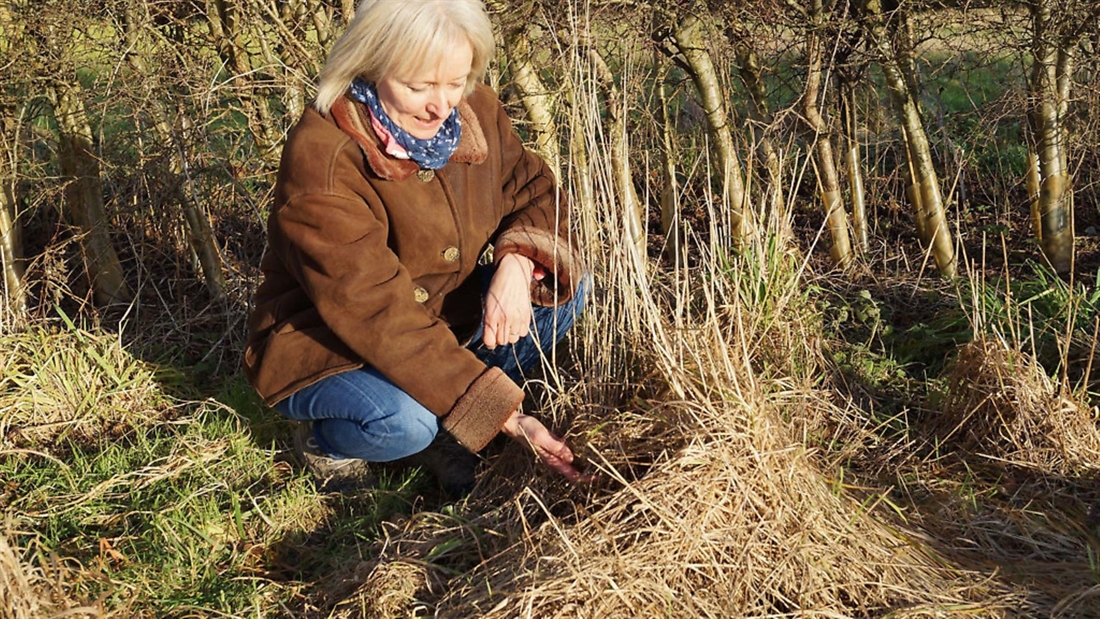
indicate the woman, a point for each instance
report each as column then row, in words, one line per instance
column 375, row 321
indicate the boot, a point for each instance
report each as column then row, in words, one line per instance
column 330, row 474
column 451, row 464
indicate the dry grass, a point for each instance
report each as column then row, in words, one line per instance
column 1001, row 405
column 732, row 518
column 1001, row 477
column 389, row 589
column 739, row 523
column 710, row 505
column 31, row 589
column 73, row 385
column 696, row 396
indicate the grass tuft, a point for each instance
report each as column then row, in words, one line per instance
column 34, row 584
column 1000, row 404
column 74, row 387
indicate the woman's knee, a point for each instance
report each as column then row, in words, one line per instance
column 407, row 431
column 419, row 430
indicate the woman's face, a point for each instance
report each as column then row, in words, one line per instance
column 421, row 102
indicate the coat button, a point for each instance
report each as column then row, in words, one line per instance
column 451, row 254
column 420, row 295
column 425, row 175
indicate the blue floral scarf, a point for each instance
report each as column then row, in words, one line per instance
column 430, row 154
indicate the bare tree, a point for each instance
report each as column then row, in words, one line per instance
column 853, row 161
column 815, row 14
column 77, row 159
column 890, row 36
column 619, row 136
column 1057, row 27
column 751, row 73
column 670, row 187
column 538, row 100
column 185, row 193
column 688, row 33
column 229, row 24
column 12, row 294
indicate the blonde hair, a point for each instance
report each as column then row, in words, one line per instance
column 389, row 38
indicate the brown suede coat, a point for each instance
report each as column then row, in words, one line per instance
column 371, row 261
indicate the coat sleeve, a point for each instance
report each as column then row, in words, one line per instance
column 335, row 246
column 536, row 219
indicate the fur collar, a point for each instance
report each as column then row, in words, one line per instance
column 352, row 117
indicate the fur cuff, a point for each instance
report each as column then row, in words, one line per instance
column 561, row 261
column 479, row 415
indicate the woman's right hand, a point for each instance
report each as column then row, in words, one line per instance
column 549, row 448
column 508, row 302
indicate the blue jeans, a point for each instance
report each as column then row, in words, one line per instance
column 361, row 414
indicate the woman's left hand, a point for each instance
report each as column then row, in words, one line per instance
column 553, row 451
column 508, row 303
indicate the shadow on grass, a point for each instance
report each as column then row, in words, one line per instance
column 1033, row 533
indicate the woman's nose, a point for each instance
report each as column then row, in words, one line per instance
column 439, row 103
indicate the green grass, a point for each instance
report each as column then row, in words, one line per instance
column 192, row 515
column 191, row 510
column 1042, row 314
column 182, row 505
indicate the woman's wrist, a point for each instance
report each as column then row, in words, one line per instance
column 518, row 261
column 511, row 424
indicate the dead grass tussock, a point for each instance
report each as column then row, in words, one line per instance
column 31, row 589
column 725, row 513
column 390, row 589
column 410, row 564
column 1001, row 404
column 73, row 385
column 1010, row 488
column 736, row 524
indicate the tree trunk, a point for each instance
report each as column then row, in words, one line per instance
column 184, row 191
column 13, row 296
column 762, row 119
column 690, row 34
column 11, row 252
column 1049, row 87
column 583, row 186
column 579, row 172
column 670, row 190
column 828, row 181
column 536, row 97
column 322, row 22
column 632, row 208
column 896, row 60
column 347, row 11
column 224, row 19
column 1033, row 188
column 84, row 193
column 854, row 163
column 286, row 53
